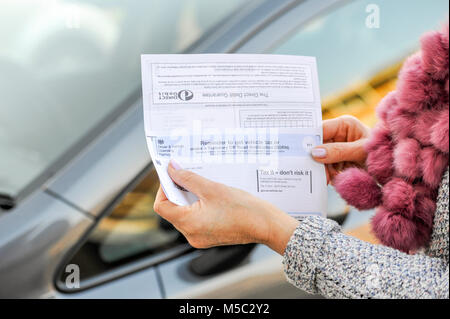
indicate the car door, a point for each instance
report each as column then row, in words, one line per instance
column 114, row 181
column 288, row 27
column 113, row 260
column 181, row 271
column 93, row 182
column 82, row 59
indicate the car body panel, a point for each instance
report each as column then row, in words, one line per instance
column 50, row 224
column 283, row 27
column 243, row 26
column 33, row 239
column 251, row 280
column 139, row 285
column 259, row 276
column 100, row 172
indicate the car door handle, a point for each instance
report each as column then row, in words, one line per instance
column 219, row 259
column 6, row 202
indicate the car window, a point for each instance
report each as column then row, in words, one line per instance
column 129, row 231
column 66, row 64
column 358, row 62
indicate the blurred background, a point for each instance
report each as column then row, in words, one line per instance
column 76, row 182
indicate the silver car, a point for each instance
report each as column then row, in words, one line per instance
column 76, row 181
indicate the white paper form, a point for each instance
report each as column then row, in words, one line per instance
column 248, row 121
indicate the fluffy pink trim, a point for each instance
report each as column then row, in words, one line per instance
column 435, row 55
column 422, row 126
column 399, row 197
column 387, row 104
column 358, row 188
column 439, row 135
column 380, row 163
column 406, row 155
column 425, row 206
column 432, row 163
column 415, row 89
column 424, row 214
column 394, row 230
column 379, row 136
column 407, row 151
column 401, row 123
column 446, row 88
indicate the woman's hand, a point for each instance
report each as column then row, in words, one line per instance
column 343, row 147
column 224, row 215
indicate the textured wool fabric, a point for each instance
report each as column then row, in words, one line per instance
column 408, row 150
column 321, row 260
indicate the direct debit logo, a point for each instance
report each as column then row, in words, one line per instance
column 185, row 95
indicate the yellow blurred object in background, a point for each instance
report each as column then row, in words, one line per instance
column 360, row 100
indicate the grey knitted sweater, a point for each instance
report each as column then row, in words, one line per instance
column 320, row 259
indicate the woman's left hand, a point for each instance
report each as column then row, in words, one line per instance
column 224, row 215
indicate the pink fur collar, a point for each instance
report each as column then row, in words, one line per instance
column 408, row 150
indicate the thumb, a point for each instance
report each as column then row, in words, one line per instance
column 194, row 183
column 331, row 153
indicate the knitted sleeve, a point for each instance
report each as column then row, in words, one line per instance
column 320, row 259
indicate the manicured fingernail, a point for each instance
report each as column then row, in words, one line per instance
column 319, row 152
column 175, row 165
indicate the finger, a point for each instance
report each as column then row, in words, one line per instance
column 165, row 208
column 340, row 152
column 160, row 194
column 344, row 128
column 194, row 183
column 330, row 128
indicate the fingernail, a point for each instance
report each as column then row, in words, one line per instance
column 175, row 165
column 319, row 152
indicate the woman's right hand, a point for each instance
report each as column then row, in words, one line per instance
column 224, row 215
column 343, row 147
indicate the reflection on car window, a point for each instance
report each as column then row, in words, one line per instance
column 131, row 231
column 66, row 64
column 358, row 65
